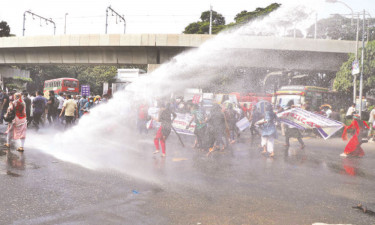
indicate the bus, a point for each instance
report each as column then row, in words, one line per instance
column 64, row 85
column 300, row 95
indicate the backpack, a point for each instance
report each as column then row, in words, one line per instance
column 10, row 115
column 56, row 103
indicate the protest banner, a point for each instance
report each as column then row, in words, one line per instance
column 303, row 119
column 180, row 123
column 243, row 124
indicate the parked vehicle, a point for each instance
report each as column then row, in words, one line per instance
column 310, row 95
column 65, row 85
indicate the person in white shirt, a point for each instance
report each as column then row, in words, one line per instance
column 61, row 100
column 328, row 112
column 350, row 112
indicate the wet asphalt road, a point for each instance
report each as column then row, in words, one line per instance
column 235, row 186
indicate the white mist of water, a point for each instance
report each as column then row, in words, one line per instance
column 105, row 139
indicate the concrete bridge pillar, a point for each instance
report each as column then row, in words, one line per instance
column 152, row 67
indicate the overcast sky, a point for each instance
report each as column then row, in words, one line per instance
column 142, row 16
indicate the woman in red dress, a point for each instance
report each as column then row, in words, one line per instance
column 353, row 148
column 17, row 128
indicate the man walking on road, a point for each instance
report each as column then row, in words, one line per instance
column 69, row 108
column 51, row 108
column 39, row 105
column 61, row 100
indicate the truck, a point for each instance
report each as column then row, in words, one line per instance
column 124, row 77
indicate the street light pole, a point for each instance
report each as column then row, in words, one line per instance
column 336, row 1
column 362, row 59
column 65, row 23
column 316, row 25
column 24, row 19
column 368, row 26
column 41, row 18
column 210, row 30
column 356, row 46
column 122, row 18
column 356, row 59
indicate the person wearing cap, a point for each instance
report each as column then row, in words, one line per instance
column 353, row 148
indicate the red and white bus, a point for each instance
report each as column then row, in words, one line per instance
column 65, row 85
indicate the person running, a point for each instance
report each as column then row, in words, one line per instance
column 353, row 148
column 39, row 105
column 69, row 110
column 17, row 128
column 269, row 133
column 165, row 128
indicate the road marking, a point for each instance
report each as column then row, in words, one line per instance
column 179, row 159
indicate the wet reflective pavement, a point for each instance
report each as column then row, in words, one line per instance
column 235, row 186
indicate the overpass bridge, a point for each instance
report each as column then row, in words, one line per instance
column 121, row 49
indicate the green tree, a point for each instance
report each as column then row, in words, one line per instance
column 338, row 28
column 202, row 27
column 4, row 29
column 259, row 13
column 16, row 83
column 217, row 19
column 96, row 76
column 344, row 79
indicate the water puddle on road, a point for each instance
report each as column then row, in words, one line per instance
column 13, row 163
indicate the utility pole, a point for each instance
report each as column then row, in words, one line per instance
column 41, row 18
column 356, row 59
column 23, row 28
column 210, row 30
column 117, row 15
column 362, row 59
column 65, row 23
column 316, row 25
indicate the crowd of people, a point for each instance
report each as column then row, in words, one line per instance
column 21, row 110
column 215, row 128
